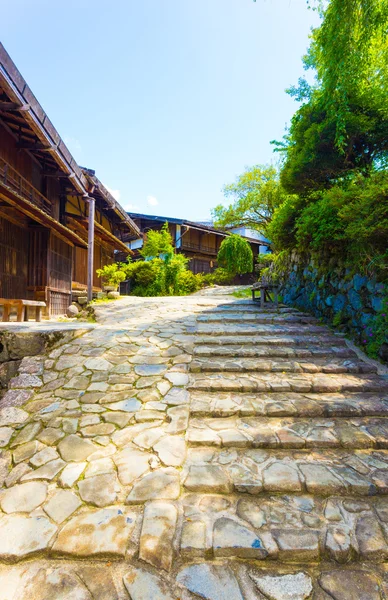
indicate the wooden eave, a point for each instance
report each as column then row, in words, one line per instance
column 118, row 244
column 100, row 232
column 34, row 212
column 30, row 117
column 111, row 203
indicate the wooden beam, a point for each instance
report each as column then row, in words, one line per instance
column 14, row 217
column 55, row 174
column 36, row 214
column 31, row 146
column 13, row 107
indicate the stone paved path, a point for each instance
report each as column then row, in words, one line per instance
column 195, row 448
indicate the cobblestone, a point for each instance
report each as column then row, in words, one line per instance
column 195, row 447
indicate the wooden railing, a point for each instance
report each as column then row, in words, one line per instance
column 198, row 247
column 14, row 180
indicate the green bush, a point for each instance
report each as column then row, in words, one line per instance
column 376, row 333
column 347, row 223
column 112, row 274
column 188, row 283
column 281, row 230
column 158, row 243
column 147, row 277
column 219, row 276
column 142, row 272
column 235, row 255
column 163, row 277
column 173, row 267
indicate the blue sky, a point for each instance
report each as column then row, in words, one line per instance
column 167, row 100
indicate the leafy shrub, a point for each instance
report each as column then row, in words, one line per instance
column 376, row 333
column 112, row 274
column 142, row 272
column 158, row 243
column 235, row 255
column 281, row 230
column 219, row 276
column 173, row 267
column 348, row 223
column 187, row 282
column 147, row 277
column 163, row 277
column 264, row 261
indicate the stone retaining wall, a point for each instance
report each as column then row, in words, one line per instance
column 17, row 344
column 349, row 300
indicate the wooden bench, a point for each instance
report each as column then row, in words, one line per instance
column 21, row 308
column 265, row 288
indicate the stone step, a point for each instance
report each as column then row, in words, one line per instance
column 255, row 307
column 289, row 432
column 242, row 341
column 225, row 317
column 238, row 580
column 288, row 528
column 227, row 404
column 288, row 382
column 211, row 329
column 223, row 579
column 311, row 364
column 257, row 471
column 262, row 351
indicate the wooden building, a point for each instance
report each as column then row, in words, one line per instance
column 198, row 242
column 54, row 215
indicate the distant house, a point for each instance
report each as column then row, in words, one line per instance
column 58, row 223
column 252, row 234
column 197, row 241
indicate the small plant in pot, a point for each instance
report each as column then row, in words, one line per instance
column 111, row 275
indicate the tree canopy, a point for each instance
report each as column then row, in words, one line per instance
column 235, row 255
column 255, row 194
column 349, row 52
column 336, row 150
column 157, row 243
column 341, row 128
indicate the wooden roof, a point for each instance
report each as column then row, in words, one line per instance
column 198, row 226
column 25, row 118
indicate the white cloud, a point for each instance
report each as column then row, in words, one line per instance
column 152, row 201
column 115, row 193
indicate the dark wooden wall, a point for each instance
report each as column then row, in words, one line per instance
column 18, row 159
column 102, row 257
column 13, row 260
column 201, row 265
column 60, row 264
column 30, row 169
column 37, row 257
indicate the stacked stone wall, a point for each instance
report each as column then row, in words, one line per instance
column 347, row 299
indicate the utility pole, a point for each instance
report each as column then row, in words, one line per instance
column 91, row 202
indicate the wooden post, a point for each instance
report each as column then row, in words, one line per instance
column 20, row 312
column 6, row 311
column 276, row 297
column 262, row 296
column 90, row 247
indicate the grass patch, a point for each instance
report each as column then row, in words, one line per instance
column 97, row 301
column 245, row 293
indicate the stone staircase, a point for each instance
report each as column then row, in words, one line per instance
column 287, row 454
column 191, row 448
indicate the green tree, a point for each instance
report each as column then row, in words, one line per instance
column 313, row 159
column 256, row 193
column 341, row 129
column 157, row 243
column 349, row 52
column 235, row 255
